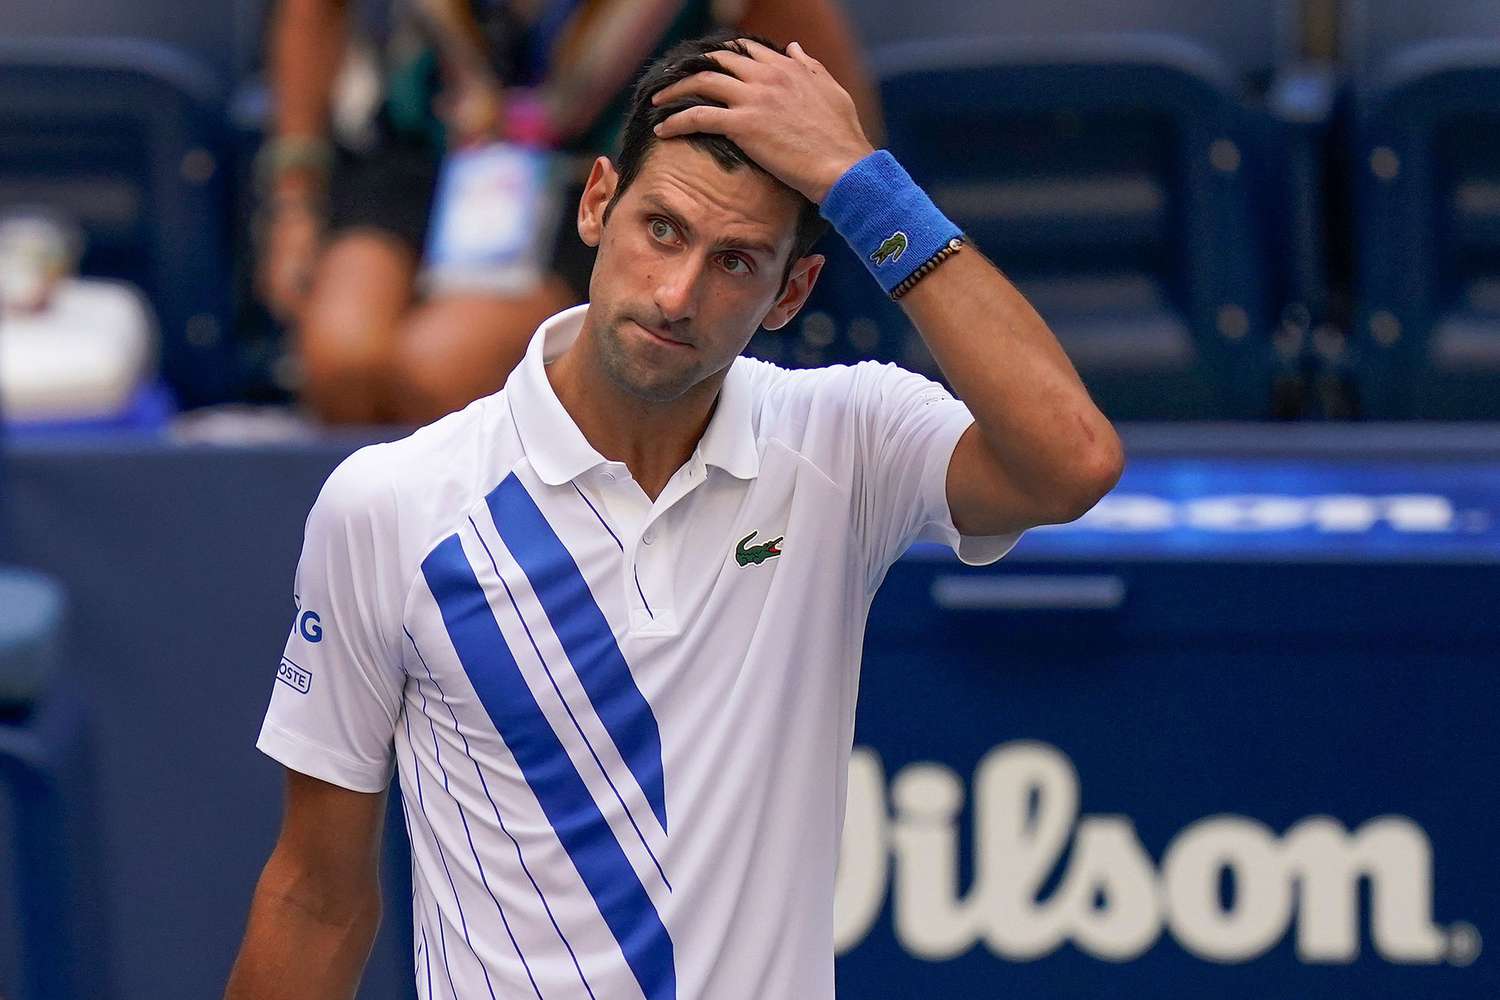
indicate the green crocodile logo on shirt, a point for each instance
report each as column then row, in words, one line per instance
column 891, row 250
column 745, row 554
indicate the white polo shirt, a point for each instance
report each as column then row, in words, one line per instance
column 622, row 726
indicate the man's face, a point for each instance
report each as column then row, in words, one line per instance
column 689, row 267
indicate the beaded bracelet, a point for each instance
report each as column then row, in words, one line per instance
column 927, row 267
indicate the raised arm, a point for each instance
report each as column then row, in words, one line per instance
column 317, row 904
column 1039, row 452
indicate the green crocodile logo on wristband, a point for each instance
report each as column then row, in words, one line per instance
column 891, row 250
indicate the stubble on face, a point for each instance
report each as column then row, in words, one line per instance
column 623, row 307
column 632, row 374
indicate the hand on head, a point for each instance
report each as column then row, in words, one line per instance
column 785, row 111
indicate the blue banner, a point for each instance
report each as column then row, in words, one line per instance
column 1183, row 508
column 1230, row 735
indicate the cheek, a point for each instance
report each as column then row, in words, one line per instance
column 631, row 258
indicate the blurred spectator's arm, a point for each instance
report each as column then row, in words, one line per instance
column 473, row 98
column 306, row 51
column 825, row 34
column 457, row 35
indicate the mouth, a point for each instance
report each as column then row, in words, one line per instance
column 660, row 336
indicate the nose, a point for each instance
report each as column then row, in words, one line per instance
column 676, row 291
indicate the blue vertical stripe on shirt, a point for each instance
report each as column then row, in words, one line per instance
column 575, row 817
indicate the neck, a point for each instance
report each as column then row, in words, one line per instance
column 652, row 439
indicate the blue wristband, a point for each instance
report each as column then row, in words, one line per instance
column 888, row 220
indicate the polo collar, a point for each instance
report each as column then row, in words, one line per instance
column 557, row 449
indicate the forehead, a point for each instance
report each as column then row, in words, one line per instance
column 689, row 183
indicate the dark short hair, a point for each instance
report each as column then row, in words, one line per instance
column 677, row 63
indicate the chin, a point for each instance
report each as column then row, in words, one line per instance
column 654, row 390
column 632, row 376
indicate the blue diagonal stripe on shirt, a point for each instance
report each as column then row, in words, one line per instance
column 564, row 798
column 585, row 635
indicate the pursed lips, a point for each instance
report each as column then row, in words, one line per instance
column 660, row 335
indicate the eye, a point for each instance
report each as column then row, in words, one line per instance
column 731, row 258
column 662, row 230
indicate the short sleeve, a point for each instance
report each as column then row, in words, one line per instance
column 337, row 693
column 908, row 427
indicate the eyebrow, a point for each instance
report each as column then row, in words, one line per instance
column 654, row 203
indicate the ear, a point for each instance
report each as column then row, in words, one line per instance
column 799, row 285
column 597, row 192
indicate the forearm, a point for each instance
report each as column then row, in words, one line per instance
column 459, row 40
column 307, row 49
column 301, row 943
column 1029, row 404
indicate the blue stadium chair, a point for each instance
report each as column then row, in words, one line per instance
column 1149, row 172
column 1372, row 32
column 1255, row 39
column 225, row 41
column 1426, row 211
column 127, row 136
column 50, row 841
column 46, row 779
column 1113, row 178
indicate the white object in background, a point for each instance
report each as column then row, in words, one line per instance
column 83, row 357
column 493, row 220
column 39, row 249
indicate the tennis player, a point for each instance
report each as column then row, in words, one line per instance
column 606, row 623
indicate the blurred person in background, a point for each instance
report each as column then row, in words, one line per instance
column 349, row 174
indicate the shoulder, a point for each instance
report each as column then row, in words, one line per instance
column 412, row 487
column 774, row 387
column 792, row 397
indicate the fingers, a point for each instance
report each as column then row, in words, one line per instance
column 763, row 55
column 797, row 52
column 736, row 65
column 702, row 118
column 758, row 51
column 714, row 86
column 285, row 285
column 732, row 87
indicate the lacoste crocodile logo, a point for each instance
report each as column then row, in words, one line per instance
column 891, row 250
column 745, row 554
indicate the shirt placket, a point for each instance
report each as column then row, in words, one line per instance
column 650, row 559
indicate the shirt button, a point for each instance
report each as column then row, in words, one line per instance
column 648, row 537
column 609, row 477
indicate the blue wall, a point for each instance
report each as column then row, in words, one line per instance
column 1233, row 659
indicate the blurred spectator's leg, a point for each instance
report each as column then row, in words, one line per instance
column 456, row 348
column 362, row 287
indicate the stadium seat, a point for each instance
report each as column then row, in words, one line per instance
column 1253, row 38
column 127, row 138
column 1113, row 178
column 45, row 778
column 227, row 42
column 30, row 635
column 1372, row 32
column 1425, row 159
column 1148, row 172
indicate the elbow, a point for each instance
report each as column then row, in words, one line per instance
column 1094, row 479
